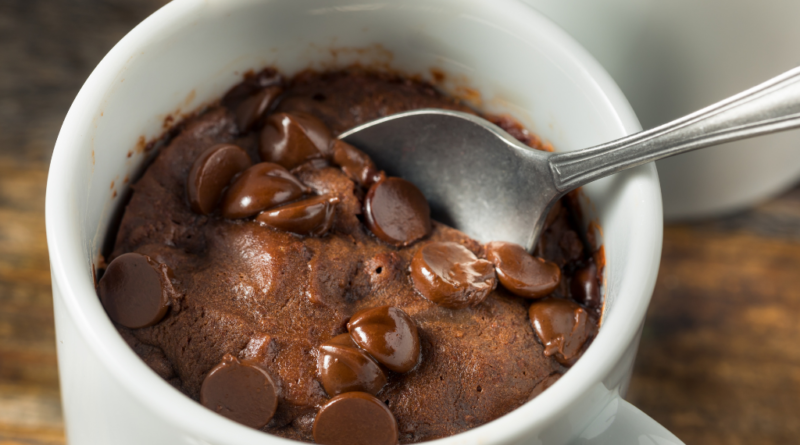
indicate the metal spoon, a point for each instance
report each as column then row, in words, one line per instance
column 482, row 181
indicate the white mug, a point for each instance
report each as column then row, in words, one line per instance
column 191, row 51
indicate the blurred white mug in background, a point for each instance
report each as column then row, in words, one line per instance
column 673, row 57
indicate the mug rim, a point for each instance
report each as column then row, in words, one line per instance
column 67, row 257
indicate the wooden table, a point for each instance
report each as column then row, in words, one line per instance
column 719, row 362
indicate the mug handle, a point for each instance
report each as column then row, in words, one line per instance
column 621, row 423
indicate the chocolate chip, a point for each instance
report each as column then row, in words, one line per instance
column 241, row 391
column 311, row 216
column 563, row 327
column 135, row 290
column 451, row 276
column 253, row 82
column 584, row 287
column 253, row 108
column 522, row 273
column 344, row 367
column 355, row 164
column 397, row 212
column 211, row 173
column 260, row 187
column 355, row 418
column 292, row 139
column 389, row 335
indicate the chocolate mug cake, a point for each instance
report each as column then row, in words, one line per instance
column 276, row 275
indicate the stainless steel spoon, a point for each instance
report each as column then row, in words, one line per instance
column 482, row 181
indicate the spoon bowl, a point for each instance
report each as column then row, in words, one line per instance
column 476, row 177
column 482, row 181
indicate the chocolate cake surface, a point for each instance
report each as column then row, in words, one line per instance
column 273, row 297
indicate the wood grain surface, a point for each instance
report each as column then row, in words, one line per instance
column 47, row 50
column 719, row 361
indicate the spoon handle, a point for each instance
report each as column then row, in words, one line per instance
column 767, row 108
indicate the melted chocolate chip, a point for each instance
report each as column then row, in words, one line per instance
column 252, row 83
column 135, row 290
column 241, row 391
column 211, row 173
column 311, row 216
column 344, row 367
column 260, row 187
column 563, row 327
column 250, row 110
column 451, row 276
column 389, row 335
column 292, row 139
column 355, row 164
column 522, row 273
column 397, row 212
column 584, row 287
column 355, row 418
